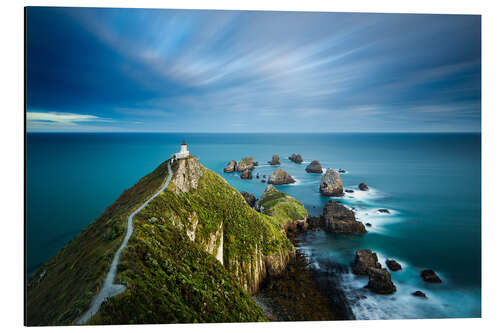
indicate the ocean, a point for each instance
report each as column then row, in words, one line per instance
column 430, row 183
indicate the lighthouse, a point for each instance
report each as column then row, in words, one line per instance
column 184, row 152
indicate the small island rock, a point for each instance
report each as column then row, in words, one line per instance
column 419, row 293
column 245, row 164
column 384, row 211
column 247, row 174
column 275, row 160
column 280, row 177
column 380, row 282
column 364, row 260
column 393, row 265
column 331, row 184
column 428, row 275
column 339, row 219
column 314, row 167
column 296, row 158
column 230, row 167
column 363, row 187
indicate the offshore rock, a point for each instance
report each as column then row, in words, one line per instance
column 363, row 187
column 296, row 158
column 314, row 167
column 280, row 177
column 339, row 219
column 275, row 160
column 363, row 261
column 331, row 184
column 428, row 275
column 380, row 282
column 230, row 167
column 393, row 265
column 245, row 164
column 247, row 174
column 419, row 293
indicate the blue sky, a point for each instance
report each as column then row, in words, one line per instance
column 140, row 70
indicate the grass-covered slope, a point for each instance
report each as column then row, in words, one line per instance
column 281, row 206
column 63, row 287
column 197, row 252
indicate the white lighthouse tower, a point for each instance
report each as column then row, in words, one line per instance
column 184, row 151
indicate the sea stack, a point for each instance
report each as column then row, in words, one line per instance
column 230, row 167
column 363, row 187
column 380, row 282
column 363, row 261
column 280, row 177
column 275, row 160
column 247, row 174
column 331, row 184
column 314, row 167
column 245, row 164
column 339, row 219
column 296, row 158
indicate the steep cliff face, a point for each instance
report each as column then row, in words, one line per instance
column 196, row 253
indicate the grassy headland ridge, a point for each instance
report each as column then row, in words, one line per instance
column 197, row 253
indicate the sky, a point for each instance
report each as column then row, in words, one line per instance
column 145, row 70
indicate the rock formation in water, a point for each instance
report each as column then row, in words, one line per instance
column 296, row 158
column 245, row 164
column 393, row 265
column 331, row 184
column 419, row 293
column 230, row 167
column 280, row 177
column 247, row 174
column 314, row 167
column 428, row 275
column 363, row 261
column 379, row 281
column 275, row 160
column 339, row 219
column 363, row 187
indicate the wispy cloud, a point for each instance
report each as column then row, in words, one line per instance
column 37, row 120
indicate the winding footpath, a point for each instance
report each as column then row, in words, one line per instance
column 109, row 289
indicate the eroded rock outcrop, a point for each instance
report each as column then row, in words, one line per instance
column 249, row 198
column 275, row 160
column 363, row 187
column 280, row 177
column 230, row 167
column 247, row 174
column 364, row 260
column 296, row 158
column 393, row 265
column 331, row 184
column 428, row 275
column 339, row 219
column 187, row 173
column 379, row 281
column 245, row 164
column 314, row 167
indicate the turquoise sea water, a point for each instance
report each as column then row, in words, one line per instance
column 431, row 183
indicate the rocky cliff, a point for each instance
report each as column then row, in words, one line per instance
column 197, row 253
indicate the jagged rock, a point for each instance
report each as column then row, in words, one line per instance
column 294, row 227
column 247, row 174
column 363, row 187
column 280, row 177
column 368, row 224
column 315, row 222
column 296, row 158
column 249, row 198
column 230, row 167
column 331, row 184
column 188, row 173
column 314, row 167
column 379, row 281
column 419, row 293
column 384, row 211
column 364, row 260
column 349, row 191
column 255, row 164
column 245, row 164
column 428, row 275
column 339, row 219
column 393, row 265
column 275, row 160
column 341, row 171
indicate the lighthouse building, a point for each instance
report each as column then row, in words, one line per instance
column 184, row 151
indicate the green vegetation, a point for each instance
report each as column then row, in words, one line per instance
column 281, row 206
column 62, row 288
column 169, row 265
